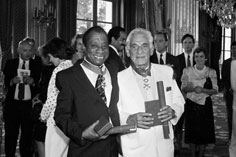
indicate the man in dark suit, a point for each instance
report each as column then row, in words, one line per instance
column 80, row 105
column 185, row 60
column 161, row 56
column 116, row 39
column 228, row 92
column 21, row 79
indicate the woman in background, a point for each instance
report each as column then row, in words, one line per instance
column 199, row 82
column 78, row 46
column 39, row 128
column 56, row 143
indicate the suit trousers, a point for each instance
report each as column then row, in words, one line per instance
column 17, row 115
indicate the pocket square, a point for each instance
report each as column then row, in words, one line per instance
column 168, row 89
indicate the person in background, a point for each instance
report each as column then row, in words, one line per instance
column 232, row 146
column 39, row 128
column 185, row 60
column 161, row 56
column 56, row 143
column 199, row 82
column 116, row 39
column 227, row 90
column 88, row 91
column 137, row 85
column 78, row 46
column 21, row 81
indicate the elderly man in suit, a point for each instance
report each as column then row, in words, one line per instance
column 138, row 86
column 21, row 78
column 116, row 38
column 227, row 89
column 88, row 91
column 161, row 56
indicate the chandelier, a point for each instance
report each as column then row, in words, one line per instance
column 45, row 17
column 224, row 10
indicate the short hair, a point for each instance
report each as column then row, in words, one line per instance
column 162, row 32
column 233, row 44
column 201, row 49
column 187, row 36
column 115, row 32
column 74, row 40
column 139, row 31
column 88, row 33
column 59, row 48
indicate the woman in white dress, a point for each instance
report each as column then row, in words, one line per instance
column 56, row 143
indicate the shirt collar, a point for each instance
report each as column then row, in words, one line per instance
column 113, row 47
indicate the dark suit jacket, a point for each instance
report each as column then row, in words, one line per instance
column 114, row 58
column 10, row 71
column 79, row 105
column 182, row 64
column 225, row 73
column 171, row 60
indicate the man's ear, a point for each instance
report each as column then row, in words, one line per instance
column 152, row 50
column 113, row 39
column 127, row 52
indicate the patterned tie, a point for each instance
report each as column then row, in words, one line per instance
column 188, row 61
column 100, row 84
column 21, row 93
column 161, row 60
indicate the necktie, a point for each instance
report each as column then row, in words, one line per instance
column 161, row 60
column 100, row 87
column 188, row 61
column 21, row 93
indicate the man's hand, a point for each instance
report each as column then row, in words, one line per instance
column 90, row 133
column 28, row 80
column 141, row 119
column 15, row 80
column 166, row 113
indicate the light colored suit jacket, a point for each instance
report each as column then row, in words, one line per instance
column 232, row 147
column 147, row 142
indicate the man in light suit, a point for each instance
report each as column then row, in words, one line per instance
column 116, row 39
column 161, row 55
column 137, row 85
column 227, row 89
column 232, row 147
column 80, row 105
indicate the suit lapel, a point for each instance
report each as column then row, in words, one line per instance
column 154, row 58
column 79, row 75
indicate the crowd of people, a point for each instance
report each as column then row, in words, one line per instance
column 57, row 95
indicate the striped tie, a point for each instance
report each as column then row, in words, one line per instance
column 100, row 87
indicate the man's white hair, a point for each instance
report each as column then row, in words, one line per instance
column 139, row 31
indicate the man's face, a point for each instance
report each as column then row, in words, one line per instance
column 119, row 43
column 160, row 43
column 97, row 50
column 188, row 45
column 25, row 51
column 233, row 52
column 140, row 50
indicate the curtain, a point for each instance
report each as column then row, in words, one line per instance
column 153, row 14
column 67, row 26
column 6, row 20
